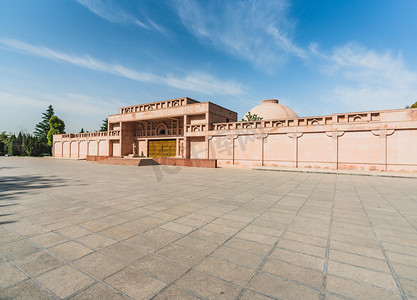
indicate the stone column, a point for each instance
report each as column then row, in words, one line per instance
column 209, row 138
column 262, row 137
column 232, row 138
column 383, row 133
column 295, row 136
column 335, row 141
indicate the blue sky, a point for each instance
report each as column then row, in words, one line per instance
column 89, row 58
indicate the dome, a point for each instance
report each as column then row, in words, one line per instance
column 271, row 110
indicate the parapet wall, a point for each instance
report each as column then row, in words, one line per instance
column 384, row 140
column 81, row 145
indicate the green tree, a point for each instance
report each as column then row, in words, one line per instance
column 57, row 126
column 4, row 140
column 250, row 117
column 105, row 125
column 414, row 105
column 33, row 146
column 42, row 128
column 11, row 145
column 82, row 130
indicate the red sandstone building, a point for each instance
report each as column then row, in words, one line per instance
column 187, row 129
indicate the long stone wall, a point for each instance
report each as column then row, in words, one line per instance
column 385, row 141
column 81, row 145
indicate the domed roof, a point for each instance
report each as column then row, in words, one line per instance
column 271, row 110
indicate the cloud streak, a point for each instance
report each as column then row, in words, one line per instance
column 198, row 81
column 369, row 79
column 257, row 31
column 113, row 13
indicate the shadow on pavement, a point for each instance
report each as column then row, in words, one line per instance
column 13, row 186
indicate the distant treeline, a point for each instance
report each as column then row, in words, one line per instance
column 38, row 144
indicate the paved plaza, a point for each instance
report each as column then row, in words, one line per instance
column 78, row 230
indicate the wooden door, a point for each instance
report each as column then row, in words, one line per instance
column 162, row 148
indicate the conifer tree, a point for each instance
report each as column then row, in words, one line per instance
column 42, row 128
column 105, row 125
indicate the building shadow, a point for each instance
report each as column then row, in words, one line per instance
column 12, row 187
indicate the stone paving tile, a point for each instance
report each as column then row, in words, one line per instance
column 354, row 290
column 358, row 260
column 163, row 235
column 239, row 257
column 278, row 287
column 13, row 275
column 363, row 275
column 402, row 258
column 124, row 252
column 146, row 242
column 161, row 267
column 176, row 227
column 96, row 241
column 285, row 270
column 301, row 247
column 299, row 259
column 250, row 246
column 25, row 290
column 70, row 250
column 203, row 246
column 38, row 263
column 135, row 283
column 209, row 236
column 223, row 224
column 250, row 295
column 182, row 255
column 306, row 239
column 225, row 270
column 49, row 239
column 18, row 249
column 405, row 271
column 409, row 286
column 98, row 291
column 8, row 236
column 99, row 265
column 118, row 233
column 73, row 231
column 64, row 281
column 95, row 225
column 175, row 293
column 208, row 286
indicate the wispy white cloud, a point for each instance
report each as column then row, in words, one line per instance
column 257, row 31
column 75, row 109
column 199, row 82
column 368, row 79
column 111, row 12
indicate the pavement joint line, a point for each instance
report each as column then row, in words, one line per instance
column 394, row 275
column 367, row 284
column 66, row 262
column 266, row 257
column 326, row 258
column 337, row 173
column 389, row 202
column 308, row 214
column 229, row 238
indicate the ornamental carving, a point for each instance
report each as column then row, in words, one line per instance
column 383, row 132
column 335, row 134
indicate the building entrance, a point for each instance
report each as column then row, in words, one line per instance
column 162, row 148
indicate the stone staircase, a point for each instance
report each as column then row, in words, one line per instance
column 125, row 161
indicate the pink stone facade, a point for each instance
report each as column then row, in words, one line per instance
column 371, row 140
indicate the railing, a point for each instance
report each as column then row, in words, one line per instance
column 92, row 134
column 170, row 132
column 311, row 121
column 196, row 127
column 153, row 106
